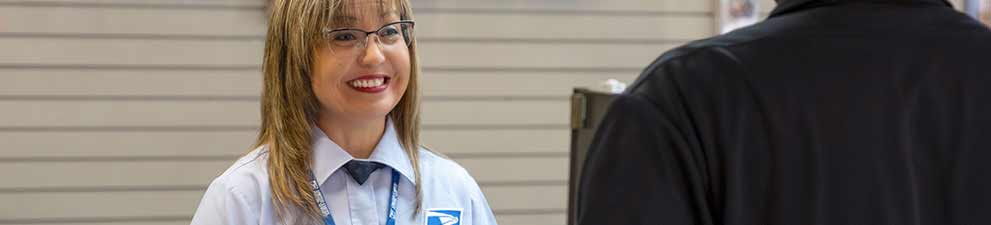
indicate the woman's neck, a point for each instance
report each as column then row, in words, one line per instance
column 357, row 137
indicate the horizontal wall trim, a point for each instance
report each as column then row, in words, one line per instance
column 133, row 36
column 228, row 38
column 419, row 10
column 40, row 159
column 124, row 98
column 246, row 98
column 126, row 128
column 258, row 68
column 491, row 155
column 529, row 211
column 45, row 159
column 255, row 128
column 523, row 183
column 203, row 187
column 563, row 12
column 103, row 189
column 495, row 98
column 97, row 219
column 251, row 68
column 122, row 5
column 610, row 41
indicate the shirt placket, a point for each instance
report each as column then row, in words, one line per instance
column 363, row 204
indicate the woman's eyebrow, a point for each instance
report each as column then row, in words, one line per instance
column 347, row 20
column 344, row 21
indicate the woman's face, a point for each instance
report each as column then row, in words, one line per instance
column 366, row 80
column 986, row 12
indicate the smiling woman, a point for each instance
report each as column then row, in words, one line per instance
column 979, row 9
column 340, row 128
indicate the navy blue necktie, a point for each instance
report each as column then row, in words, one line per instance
column 360, row 170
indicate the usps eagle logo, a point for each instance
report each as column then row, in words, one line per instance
column 443, row 216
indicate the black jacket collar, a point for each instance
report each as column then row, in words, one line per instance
column 788, row 6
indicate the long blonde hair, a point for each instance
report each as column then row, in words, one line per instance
column 288, row 105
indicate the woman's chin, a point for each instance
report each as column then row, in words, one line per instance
column 371, row 111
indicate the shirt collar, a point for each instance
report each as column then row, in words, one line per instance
column 328, row 157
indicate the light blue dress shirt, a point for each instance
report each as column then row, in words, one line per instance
column 241, row 195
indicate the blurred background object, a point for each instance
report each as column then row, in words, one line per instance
column 734, row 14
column 613, row 86
column 122, row 111
column 587, row 109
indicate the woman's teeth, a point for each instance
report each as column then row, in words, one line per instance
column 367, row 83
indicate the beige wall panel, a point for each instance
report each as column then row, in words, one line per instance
column 137, row 83
column 539, row 219
column 619, row 6
column 125, row 221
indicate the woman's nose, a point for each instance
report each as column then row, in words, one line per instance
column 372, row 52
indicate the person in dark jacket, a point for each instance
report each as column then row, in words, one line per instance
column 869, row 112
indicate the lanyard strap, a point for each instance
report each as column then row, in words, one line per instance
column 325, row 209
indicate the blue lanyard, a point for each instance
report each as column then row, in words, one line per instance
column 325, row 210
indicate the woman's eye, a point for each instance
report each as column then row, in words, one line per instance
column 389, row 31
column 345, row 37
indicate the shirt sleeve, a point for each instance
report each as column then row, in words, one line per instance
column 479, row 213
column 222, row 205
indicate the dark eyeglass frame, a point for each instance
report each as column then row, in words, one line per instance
column 407, row 33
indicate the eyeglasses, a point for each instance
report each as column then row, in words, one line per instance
column 389, row 35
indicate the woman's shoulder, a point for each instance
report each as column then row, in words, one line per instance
column 437, row 160
column 443, row 175
column 437, row 165
column 248, row 175
column 238, row 194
